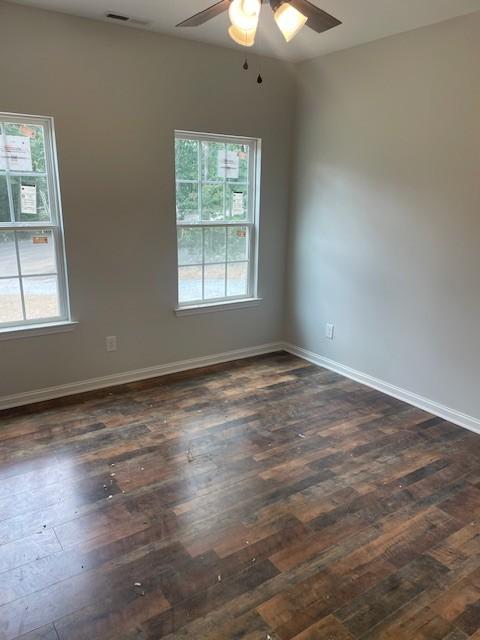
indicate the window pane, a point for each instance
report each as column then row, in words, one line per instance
column 186, row 159
column 237, row 279
column 238, row 156
column 215, row 245
column 187, row 202
column 4, row 206
column 189, row 284
column 30, row 198
column 41, row 297
column 32, row 284
column 214, row 281
column 10, row 301
column 213, row 161
column 25, row 147
column 237, row 243
column 37, row 252
column 212, row 202
column 237, row 201
column 8, row 255
column 189, row 246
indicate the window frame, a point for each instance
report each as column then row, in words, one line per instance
column 251, row 222
column 55, row 224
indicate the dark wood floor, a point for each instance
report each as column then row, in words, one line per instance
column 262, row 499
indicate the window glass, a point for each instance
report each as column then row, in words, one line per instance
column 216, row 221
column 186, row 159
column 189, row 244
column 30, row 198
column 8, row 254
column 37, row 252
column 10, row 300
column 215, row 244
column 41, row 297
column 237, row 243
column 190, row 283
column 32, row 273
column 237, row 273
column 4, row 206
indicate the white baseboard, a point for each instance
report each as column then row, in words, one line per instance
column 50, row 393
column 440, row 410
column 93, row 384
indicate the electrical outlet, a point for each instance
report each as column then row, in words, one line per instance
column 329, row 331
column 111, row 343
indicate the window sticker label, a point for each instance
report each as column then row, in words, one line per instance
column 237, row 203
column 228, row 165
column 27, row 131
column 17, row 152
column 40, row 239
column 28, row 199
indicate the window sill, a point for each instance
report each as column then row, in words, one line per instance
column 30, row 330
column 233, row 305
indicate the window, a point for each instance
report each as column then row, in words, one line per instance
column 32, row 267
column 216, row 178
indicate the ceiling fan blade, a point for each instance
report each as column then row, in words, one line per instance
column 205, row 15
column 318, row 20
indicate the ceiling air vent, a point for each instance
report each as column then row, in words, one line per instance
column 120, row 18
column 116, row 16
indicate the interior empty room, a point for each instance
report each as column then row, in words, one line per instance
column 239, row 320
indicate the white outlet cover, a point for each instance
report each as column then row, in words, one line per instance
column 329, row 331
column 111, row 343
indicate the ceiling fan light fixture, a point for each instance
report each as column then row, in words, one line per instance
column 245, row 38
column 244, row 14
column 289, row 20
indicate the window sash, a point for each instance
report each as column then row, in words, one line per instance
column 252, row 145
column 54, row 224
column 205, row 263
column 250, row 222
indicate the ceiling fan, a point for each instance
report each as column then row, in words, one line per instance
column 290, row 17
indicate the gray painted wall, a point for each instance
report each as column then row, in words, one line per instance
column 385, row 221
column 117, row 94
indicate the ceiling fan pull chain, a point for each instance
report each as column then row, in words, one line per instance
column 246, row 66
column 259, row 77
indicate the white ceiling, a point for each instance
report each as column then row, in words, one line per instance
column 363, row 21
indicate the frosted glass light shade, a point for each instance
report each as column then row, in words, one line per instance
column 289, row 20
column 244, row 14
column 245, row 38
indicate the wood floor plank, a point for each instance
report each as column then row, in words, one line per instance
column 44, row 633
column 329, row 627
column 260, row 498
column 39, row 545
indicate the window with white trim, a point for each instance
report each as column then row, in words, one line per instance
column 33, row 287
column 217, row 220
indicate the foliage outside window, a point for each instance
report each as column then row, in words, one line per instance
column 216, row 221
column 32, row 269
